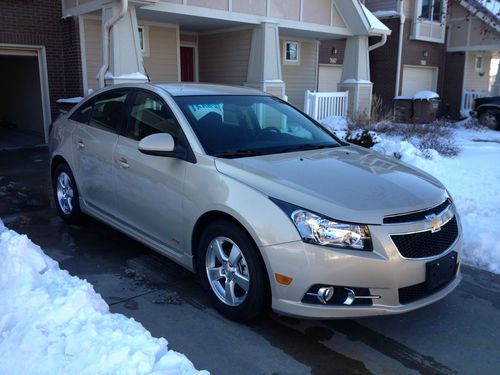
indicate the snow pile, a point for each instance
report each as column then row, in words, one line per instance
column 54, row 323
column 337, row 125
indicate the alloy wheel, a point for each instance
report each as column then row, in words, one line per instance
column 64, row 193
column 227, row 271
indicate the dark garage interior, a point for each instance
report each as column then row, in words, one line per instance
column 21, row 111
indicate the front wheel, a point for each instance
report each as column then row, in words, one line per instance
column 232, row 271
column 490, row 118
column 66, row 194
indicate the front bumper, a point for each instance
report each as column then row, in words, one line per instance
column 383, row 271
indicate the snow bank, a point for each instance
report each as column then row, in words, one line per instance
column 473, row 180
column 55, row 323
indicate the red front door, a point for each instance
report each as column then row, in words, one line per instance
column 187, row 64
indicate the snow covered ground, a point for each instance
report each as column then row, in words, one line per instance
column 55, row 323
column 472, row 177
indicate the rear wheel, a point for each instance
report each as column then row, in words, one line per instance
column 490, row 118
column 232, row 271
column 66, row 194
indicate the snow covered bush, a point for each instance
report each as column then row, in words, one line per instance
column 55, row 323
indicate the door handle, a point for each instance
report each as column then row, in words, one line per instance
column 80, row 144
column 123, row 163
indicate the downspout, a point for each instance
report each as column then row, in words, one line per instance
column 378, row 44
column 105, row 40
column 402, row 20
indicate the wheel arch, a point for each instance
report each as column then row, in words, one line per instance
column 209, row 217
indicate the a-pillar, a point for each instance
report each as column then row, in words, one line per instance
column 356, row 77
column 125, row 57
column 264, row 65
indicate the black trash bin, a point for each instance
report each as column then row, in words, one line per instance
column 425, row 107
column 403, row 109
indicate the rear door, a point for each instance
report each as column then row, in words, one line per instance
column 150, row 188
column 94, row 141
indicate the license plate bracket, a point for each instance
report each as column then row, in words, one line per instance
column 440, row 271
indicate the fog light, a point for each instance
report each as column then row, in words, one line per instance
column 325, row 294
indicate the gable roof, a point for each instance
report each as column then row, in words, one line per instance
column 486, row 10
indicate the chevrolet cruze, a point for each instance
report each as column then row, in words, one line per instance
column 265, row 204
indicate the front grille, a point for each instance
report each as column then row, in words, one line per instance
column 416, row 216
column 427, row 244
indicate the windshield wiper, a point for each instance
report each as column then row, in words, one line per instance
column 237, row 153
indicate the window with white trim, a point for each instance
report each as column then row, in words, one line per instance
column 291, row 52
column 479, row 63
column 141, row 38
column 431, row 10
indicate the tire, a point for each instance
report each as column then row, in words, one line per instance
column 66, row 194
column 490, row 118
column 224, row 278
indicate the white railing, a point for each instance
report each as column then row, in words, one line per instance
column 468, row 97
column 319, row 105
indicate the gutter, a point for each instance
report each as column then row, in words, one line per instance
column 105, row 41
column 402, row 20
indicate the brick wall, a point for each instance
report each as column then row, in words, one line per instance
column 325, row 51
column 39, row 22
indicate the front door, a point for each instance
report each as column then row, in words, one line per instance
column 149, row 188
column 187, row 64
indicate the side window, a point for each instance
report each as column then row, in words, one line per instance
column 151, row 115
column 82, row 114
column 108, row 110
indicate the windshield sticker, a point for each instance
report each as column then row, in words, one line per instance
column 201, row 110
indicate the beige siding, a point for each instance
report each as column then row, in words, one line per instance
column 337, row 19
column 161, row 64
column 289, row 10
column 190, row 38
column 223, row 57
column 257, row 7
column 317, row 11
column 302, row 77
column 472, row 79
column 213, row 4
column 92, row 30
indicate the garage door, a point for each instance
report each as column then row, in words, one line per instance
column 417, row 78
column 329, row 77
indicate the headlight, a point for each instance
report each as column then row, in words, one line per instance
column 327, row 232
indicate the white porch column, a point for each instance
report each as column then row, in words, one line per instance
column 495, row 89
column 356, row 76
column 125, row 57
column 264, row 65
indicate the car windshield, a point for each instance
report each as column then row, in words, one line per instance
column 240, row 126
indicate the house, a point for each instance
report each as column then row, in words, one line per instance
column 271, row 45
column 437, row 45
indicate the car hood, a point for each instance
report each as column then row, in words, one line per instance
column 347, row 183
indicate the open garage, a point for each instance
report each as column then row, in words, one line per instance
column 24, row 111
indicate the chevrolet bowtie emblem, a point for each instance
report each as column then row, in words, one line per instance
column 433, row 222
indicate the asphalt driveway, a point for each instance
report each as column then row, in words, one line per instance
column 460, row 334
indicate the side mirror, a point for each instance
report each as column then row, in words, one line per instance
column 161, row 144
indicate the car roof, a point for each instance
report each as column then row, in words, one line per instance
column 194, row 89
